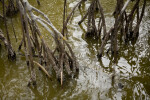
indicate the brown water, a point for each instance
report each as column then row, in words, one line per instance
column 94, row 79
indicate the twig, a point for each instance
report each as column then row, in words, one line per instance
column 43, row 69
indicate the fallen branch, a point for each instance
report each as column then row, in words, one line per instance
column 43, row 69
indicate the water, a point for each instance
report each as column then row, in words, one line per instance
column 94, row 79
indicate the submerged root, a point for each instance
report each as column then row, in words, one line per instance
column 123, row 24
column 11, row 52
column 61, row 59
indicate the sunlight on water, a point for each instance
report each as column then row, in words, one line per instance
column 94, row 80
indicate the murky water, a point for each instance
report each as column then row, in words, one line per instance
column 94, row 79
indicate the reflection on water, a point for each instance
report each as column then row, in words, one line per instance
column 94, row 79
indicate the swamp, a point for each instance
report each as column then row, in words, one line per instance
column 75, row 49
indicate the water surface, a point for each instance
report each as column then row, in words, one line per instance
column 94, row 79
